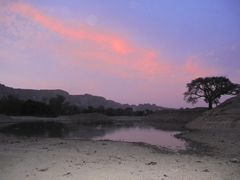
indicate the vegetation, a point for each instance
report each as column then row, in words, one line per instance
column 211, row 89
column 56, row 106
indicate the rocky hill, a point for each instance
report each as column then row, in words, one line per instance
column 79, row 100
column 224, row 116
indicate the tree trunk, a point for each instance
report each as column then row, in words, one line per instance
column 210, row 105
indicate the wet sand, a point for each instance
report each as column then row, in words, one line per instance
column 54, row 158
column 218, row 142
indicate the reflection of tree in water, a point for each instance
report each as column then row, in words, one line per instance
column 130, row 132
column 59, row 129
column 95, row 130
column 86, row 131
column 39, row 129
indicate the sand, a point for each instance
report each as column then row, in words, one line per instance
column 62, row 159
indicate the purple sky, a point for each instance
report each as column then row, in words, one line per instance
column 129, row 51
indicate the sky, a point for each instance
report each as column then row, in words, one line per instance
column 128, row 51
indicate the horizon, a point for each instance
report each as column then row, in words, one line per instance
column 226, row 97
column 128, row 51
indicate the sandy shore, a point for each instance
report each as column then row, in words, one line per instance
column 50, row 159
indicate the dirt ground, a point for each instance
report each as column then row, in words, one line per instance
column 54, row 158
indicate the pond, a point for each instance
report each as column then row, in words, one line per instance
column 148, row 135
column 129, row 133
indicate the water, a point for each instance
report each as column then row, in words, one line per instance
column 127, row 133
column 148, row 135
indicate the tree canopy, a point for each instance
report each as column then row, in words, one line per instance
column 211, row 89
column 57, row 106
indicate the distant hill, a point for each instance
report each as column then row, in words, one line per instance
column 224, row 116
column 79, row 100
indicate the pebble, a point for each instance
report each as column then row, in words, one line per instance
column 151, row 163
column 235, row 160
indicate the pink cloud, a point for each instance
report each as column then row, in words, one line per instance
column 102, row 48
column 196, row 70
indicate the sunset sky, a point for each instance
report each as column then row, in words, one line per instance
column 129, row 51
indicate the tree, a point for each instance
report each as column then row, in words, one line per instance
column 34, row 108
column 11, row 105
column 57, row 104
column 211, row 89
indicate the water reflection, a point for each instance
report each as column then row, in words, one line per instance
column 147, row 135
column 124, row 132
column 85, row 131
column 37, row 129
column 129, row 133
